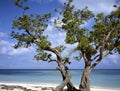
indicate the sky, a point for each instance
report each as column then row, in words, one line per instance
column 23, row 58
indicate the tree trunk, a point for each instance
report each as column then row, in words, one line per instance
column 85, row 80
column 65, row 75
column 60, row 65
column 65, row 82
column 70, row 87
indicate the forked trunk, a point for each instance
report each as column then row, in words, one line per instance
column 65, row 81
column 65, row 76
column 85, row 80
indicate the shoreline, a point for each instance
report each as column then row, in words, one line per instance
column 6, row 86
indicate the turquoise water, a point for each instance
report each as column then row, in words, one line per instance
column 99, row 78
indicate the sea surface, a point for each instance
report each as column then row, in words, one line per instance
column 99, row 78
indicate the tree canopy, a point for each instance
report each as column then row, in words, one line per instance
column 93, row 45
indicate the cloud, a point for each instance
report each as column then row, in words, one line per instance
column 2, row 34
column 97, row 6
column 6, row 48
column 69, row 50
column 112, row 59
column 20, row 51
column 3, row 42
column 56, row 37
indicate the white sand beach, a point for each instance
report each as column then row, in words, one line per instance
column 39, row 87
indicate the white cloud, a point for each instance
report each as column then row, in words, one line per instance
column 112, row 59
column 6, row 48
column 2, row 34
column 56, row 37
column 20, row 51
column 3, row 50
column 3, row 42
column 96, row 6
column 69, row 50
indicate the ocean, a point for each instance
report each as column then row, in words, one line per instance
column 99, row 78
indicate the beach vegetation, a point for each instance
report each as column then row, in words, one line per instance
column 93, row 44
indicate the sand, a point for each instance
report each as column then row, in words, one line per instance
column 39, row 87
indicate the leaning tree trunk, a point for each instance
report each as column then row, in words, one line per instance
column 66, row 76
column 66, row 80
column 62, row 71
column 85, row 80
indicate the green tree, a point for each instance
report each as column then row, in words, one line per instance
column 95, row 44
column 28, row 30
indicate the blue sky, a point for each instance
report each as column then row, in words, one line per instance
column 23, row 58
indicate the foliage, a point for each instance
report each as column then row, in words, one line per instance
column 93, row 45
column 105, row 33
column 20, row 4
column 28, row 30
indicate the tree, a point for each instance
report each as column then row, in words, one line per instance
column 28, row 30
column 95, row 44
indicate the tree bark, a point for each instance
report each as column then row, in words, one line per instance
column 85, row 80
column 65, row 75
column 65, row 82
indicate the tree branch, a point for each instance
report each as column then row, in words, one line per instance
column 98, row 60
column 28, row 32
column 85, row 58
column 59, row 57
column 96, row 57
column 101, row 55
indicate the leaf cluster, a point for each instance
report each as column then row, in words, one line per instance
column 42, row 55
column 105, row 33
column 103, row 26
column 43, row 43
column 20, row 4
column 60, row 48
column 30, row 29
column 72, row 20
